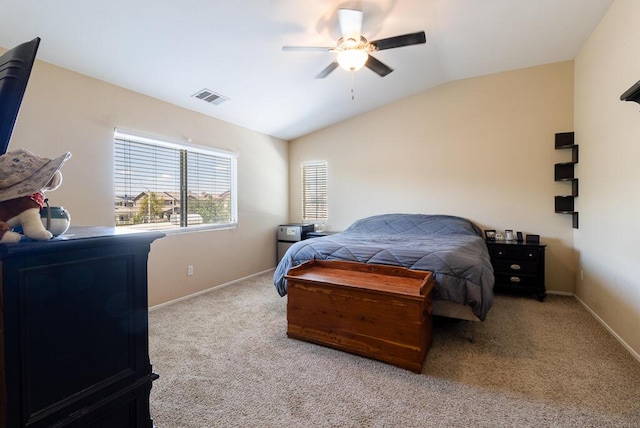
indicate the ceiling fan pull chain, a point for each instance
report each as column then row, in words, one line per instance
column 353, row 96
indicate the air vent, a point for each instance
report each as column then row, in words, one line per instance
column 210, row 96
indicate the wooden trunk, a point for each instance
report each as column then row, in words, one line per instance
column 376, row 311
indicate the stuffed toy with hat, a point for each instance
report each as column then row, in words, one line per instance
column 23, row 179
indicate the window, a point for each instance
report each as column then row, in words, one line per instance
column 162, row 185
column 314, row 191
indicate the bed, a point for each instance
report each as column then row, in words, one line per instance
column 451, row 247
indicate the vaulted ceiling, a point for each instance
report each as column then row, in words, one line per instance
column 170, row 50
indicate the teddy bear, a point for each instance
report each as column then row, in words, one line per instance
column 24, row 177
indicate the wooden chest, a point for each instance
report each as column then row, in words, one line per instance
column 380, row 312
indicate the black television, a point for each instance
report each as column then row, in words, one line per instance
column 15, row 69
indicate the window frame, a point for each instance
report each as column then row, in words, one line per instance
column 189, row 148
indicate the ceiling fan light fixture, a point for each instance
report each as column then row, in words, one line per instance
column 353, row 49
column 352, row 59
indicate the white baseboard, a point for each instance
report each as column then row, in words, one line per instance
column 609, row 329
column 560, row 293
column 200, row 293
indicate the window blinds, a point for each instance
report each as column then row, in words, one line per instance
column 161, row 185
column 314, row 191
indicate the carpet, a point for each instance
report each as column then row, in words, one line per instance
column 224, row 360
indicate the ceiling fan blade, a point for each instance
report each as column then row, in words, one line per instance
column 378, row 67
column 328, row 69
column 399, row 41
column 350, row 23
column 307, row 48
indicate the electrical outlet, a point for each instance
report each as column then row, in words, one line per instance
column 189, row 270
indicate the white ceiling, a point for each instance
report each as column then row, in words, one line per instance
column 170, row 49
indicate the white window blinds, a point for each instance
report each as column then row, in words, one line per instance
column 314, row 191
column 160, row 185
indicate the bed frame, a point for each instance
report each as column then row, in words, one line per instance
column 446, row 308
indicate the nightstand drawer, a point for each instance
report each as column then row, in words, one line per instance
column 517, row 280
column 516, row 266
column 514, row 253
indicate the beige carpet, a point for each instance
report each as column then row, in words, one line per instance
column 224, row 360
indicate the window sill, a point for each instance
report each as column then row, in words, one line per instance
column 190, row 229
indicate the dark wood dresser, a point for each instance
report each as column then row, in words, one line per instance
column 74, row 346
column 518, row 267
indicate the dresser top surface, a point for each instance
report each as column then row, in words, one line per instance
column 80, row 235
column 516, row 243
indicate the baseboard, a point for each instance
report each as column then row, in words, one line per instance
column 560, row 293
column 208, row 290
column 633, row 353
column 609, row 329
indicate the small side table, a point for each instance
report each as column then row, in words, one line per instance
column 518, row 266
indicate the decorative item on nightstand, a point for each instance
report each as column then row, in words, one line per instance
column 508, row 235
column 533, row 239
column 490, row 235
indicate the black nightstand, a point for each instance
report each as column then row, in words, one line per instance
column 518, row 266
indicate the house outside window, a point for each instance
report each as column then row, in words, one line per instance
column 314, row 191
column 161, row 185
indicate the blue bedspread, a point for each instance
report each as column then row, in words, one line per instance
column 450, row 247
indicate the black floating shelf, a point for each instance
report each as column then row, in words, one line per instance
column 564, row 140
column 632, row 94
column 564, row 204
column 574, row 187
column 574, row 153
column 565, row 171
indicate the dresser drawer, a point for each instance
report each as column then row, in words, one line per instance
column 514, row 253
column 516, row 266
column 514, row 280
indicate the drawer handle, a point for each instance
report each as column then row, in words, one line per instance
column 515, row 267
column 514, row 279
column 499, row 253
column 530, row 254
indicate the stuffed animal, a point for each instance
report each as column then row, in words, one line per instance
column 23, row 179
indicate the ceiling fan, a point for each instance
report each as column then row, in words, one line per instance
column 354, row 51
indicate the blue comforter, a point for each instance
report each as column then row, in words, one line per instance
column 450, row 247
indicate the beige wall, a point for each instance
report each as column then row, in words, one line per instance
column 65, row 111
column 608, row 131
column 480, row 148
